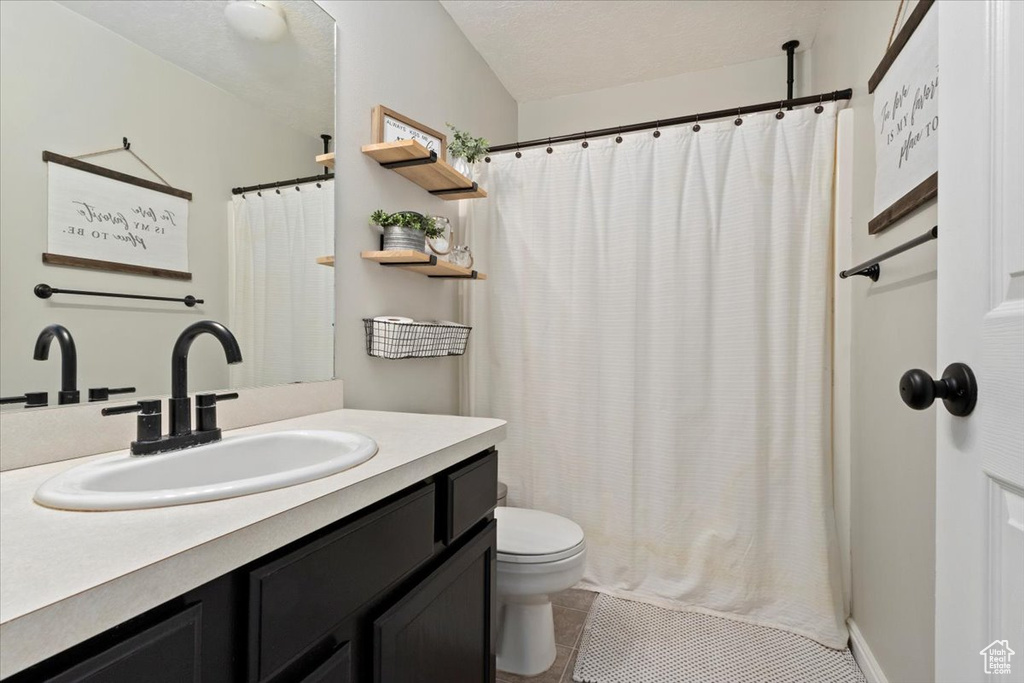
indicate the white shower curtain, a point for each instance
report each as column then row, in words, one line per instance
column 655, row 330
column 281, row 301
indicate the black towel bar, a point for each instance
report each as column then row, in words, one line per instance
column 870, row 268
column 44, row 291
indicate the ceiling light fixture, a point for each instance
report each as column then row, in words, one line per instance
column 261, row 20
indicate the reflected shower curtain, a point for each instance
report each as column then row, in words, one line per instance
column 655, row 330
column 281, row 301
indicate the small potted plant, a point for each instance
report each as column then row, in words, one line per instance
column 405, row 229
column 465, row 149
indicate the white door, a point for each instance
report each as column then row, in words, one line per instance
column 979, row 582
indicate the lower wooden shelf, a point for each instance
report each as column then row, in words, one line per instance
column 418, row 262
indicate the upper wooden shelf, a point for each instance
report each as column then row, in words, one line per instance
column 418, row 262
column 326, row 261
column 414, row 161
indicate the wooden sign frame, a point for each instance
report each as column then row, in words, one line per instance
column 112, row 266
column 928, row 189
column 377, row 128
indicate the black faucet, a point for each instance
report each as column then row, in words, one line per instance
column 180, row 434
column 68, row 360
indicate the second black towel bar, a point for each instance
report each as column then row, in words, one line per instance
column 870, row 268
column 44, row 291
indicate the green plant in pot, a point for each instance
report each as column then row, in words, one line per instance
column 465, row 149
column 405, row 229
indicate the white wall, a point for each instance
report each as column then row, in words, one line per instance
column 892, row 329
column 411, row 57
column 72, row 87
column 748, row 83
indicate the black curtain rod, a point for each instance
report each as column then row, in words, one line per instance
column 692, row 118
column 871, row 269
column 282, row 183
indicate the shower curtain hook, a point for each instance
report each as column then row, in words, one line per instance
column 549, row 146
column 696, row 123
column 657, row 125
column 739, row 116
column 819, row 108
column 780, row 114
column 618, row 138
column 585, row 143
column 519, row 155
column 297, row 185
column 259, row 190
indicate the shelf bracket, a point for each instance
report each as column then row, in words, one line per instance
column 431, row 262
column 455, row 190
column 471, row 276
column 432, row 159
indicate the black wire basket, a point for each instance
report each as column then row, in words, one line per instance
column 396, row 339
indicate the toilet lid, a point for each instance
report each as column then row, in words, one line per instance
column 535, row 536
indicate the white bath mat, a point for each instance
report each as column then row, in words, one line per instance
column 632, row 642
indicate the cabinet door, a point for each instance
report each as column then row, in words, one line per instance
column 443, row 630
column 167, row 652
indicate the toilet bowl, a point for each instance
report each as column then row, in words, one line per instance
column 539, row 553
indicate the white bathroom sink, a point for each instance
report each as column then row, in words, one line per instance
column 234, row 466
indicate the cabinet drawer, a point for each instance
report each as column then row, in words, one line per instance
column 337, row 668
column 167, row 652
column 298, row 599
column 470, row 492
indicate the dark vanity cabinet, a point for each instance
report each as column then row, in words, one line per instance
column 401, row 592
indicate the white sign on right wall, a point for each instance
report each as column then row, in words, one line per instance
column 906, row 115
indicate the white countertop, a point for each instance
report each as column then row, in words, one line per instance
column 66, row 576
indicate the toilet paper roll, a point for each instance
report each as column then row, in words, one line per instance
column 390, row 341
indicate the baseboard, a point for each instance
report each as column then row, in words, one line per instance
column 862, row 653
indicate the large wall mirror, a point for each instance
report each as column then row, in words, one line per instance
column 209, row 106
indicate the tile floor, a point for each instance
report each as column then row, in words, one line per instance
column 570, row 608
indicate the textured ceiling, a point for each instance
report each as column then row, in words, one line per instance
column 292, row 79
column 547, row 49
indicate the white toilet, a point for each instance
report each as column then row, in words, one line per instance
column 539, row 553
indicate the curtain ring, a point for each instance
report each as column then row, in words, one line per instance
column 780, row 114
column 277, row 190
column 585, row 143
column 297, row 185
column 259, row 190
column 549, row 146
column 739, row 117
column 696, row 123
column 618, row 138
column 487, row 160
column 657, row 125
column 127, row 145
column 819, row 108
column 519, row 155
column 319, row 185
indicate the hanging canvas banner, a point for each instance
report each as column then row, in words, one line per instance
column 906, row 117
column 98, row 218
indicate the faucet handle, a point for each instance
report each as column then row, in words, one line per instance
column 31, row 399
column 149, row 425
column 206, row 409
column 103, row 393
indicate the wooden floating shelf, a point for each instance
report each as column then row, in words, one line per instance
column 418, row 262
column 415, row 162
column 325, row 160
column 326, row 260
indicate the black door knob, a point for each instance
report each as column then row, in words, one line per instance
column 958, row 389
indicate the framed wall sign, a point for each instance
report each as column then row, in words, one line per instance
column 107, row 220
column 906, row 117
column 387, row 125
